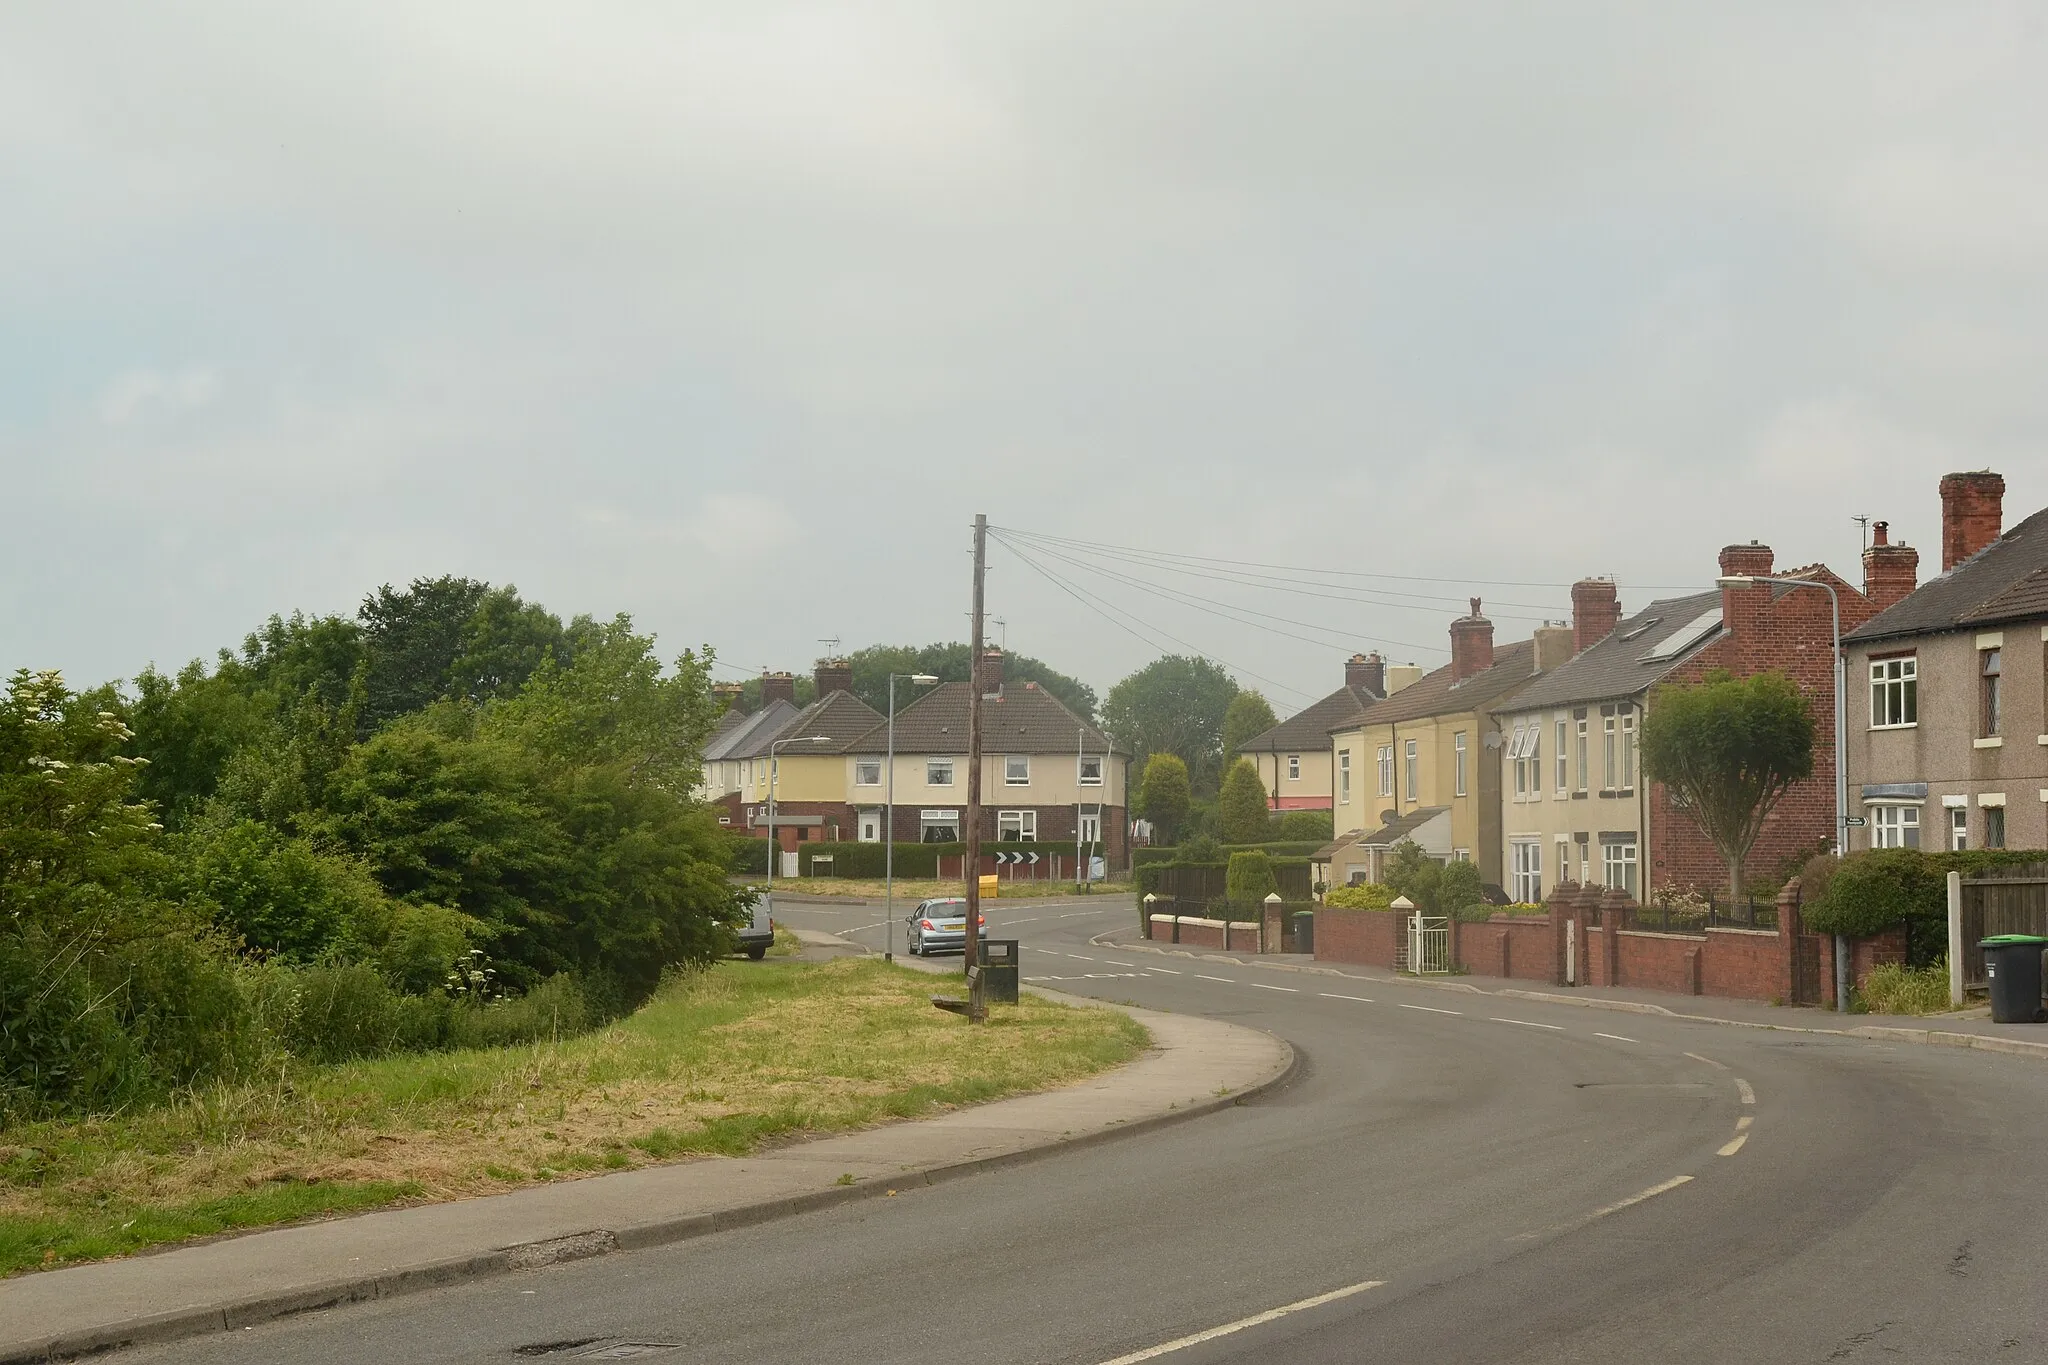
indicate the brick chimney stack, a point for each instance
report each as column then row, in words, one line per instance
column 1972, row 514
column 778, row 686
column 1367, row 672
column 1596, row 611
column 1742, row 608
column 732, row 694
column 833, row 675
column 1890, row 571
column 991, row 671
column 1471, row 645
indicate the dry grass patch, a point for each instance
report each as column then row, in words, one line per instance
column 718, row 1062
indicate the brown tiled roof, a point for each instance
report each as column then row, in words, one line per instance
column 839, row 716
column 1310, row 729
column 2001, row 582
column 1024, row 719
column 1436, row 695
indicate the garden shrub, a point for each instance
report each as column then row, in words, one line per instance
column 1893, row 988
column 1249, row 878
column 1360, row 896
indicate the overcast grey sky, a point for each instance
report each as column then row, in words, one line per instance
column 733, row 315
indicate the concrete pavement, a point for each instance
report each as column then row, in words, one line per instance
column 1194, row 1067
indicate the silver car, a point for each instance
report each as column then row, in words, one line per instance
column 939, row 926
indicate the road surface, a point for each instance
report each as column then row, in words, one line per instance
column 1448, row 1178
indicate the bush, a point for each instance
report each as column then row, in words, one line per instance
column 1895, row 989
column 1317, row 826
column 1876, row 889
column 1242, row 815
column 1249, row 879
column 1360, row 896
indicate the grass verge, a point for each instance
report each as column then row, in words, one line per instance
column 718, row 1063
column 911, row 890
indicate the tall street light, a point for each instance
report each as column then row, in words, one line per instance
column 889, row 820
column 1841, row 746
column 766, row 907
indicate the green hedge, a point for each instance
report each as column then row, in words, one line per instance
column 1145, row 877
column 851, row 859
column 1171, row 853
column 1875, row 889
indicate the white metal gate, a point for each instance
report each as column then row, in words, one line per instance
column 1429, row 944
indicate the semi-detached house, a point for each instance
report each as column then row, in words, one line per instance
column 1294, row 758
column 1948, row 705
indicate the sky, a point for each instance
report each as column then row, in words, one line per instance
column 733, row 316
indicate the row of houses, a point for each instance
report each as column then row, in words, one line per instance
column 1046, row 773
column 1523, row 757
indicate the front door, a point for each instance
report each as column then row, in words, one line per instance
column 870, row 827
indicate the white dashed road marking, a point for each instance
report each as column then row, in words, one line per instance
column 1196, row 1339
column 1615, row 1036
column 1260, row 985
column 1168, row 970
column 1732, row 1148
column 1718, row 1066
column 1332, row 995
column 1078, row 958
column 1429, row 1009
column 1742, row 1087
column 1555, row 1028
column 1224, row 979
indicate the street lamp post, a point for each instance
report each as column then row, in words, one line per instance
column 1841, row 746
column 765, row 909
column 889, row 820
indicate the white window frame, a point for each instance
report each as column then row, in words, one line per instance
column 1628, row 749
column 1024, row 822
column 1089, row 761
column 1411, row 769
column 932, row 765
column 1091, row 828
column 1609, row 750
column 1515, row 757
column 1532, row 754
column 1890, row 825
column 1582, row 752
column 1526, row 876
column 1895, row 691
column 924, row 824
column 1386, row 757
column 860, row 829
column 1619, row 855
column 1343, row 777
column 1010, row 773
column 1958, row 829
column 1458, row 764
column 1564, row 765
column 864, row 765
column 1294, row 767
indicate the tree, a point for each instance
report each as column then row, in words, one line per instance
column 1241, row 805
column 1728, row 749
column 1249, row 878
column 1173, row 705
column 1164, row 795
column 1247, row 717
column 412, row 639
column 948, row 663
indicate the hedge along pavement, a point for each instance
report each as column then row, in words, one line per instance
column 718, row 1061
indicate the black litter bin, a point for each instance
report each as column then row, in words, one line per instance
column 1304, row 931
column 2012, row 964
column 999, row 970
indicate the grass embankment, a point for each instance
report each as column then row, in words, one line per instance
column 718, row 1062
column 923, row 888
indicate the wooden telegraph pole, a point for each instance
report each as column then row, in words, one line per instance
column 976, row 995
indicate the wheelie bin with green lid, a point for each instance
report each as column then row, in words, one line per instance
column 2012, row 964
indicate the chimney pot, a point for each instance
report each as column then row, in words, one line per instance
column 1890, row 571
column 1471, row 645
column 1367, row 672
column 1972, row 514
column 1596, row 611
column 778, row 687
column 991, row 671
column 1742, row 608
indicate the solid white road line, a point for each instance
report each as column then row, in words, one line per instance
column 1732, row 1148
column 1080, row 913
column 1114, row 963
column 1168, row 970
column 1270, row 1315
column 1430, row 1009
column 1032, row 920
column 1742, row 1087
column 1078, row 958
column 1635, row 1199
column 1224, row 979
column 1615, row 1036
column 1332, row 995
column 1291, row 990
column 1047, row 951
column 1555, row 1028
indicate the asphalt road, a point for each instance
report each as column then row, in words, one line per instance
column 1448, row 1178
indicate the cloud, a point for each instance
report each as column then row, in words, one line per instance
column 143, row 395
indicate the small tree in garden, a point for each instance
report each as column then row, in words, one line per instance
column 1249, row 878
column 1164, row 795
column 1728, row 749
column 1247, row 717
column 1241, row 806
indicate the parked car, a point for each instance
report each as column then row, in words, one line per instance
column 758, row 936
column 939, row 925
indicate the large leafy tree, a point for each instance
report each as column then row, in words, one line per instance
column 1728, row 749
column 413, row 636
column 1174, row 705
column 948, row 663
column 1241, row 813
column 1248, row 716
column 1164, row 796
